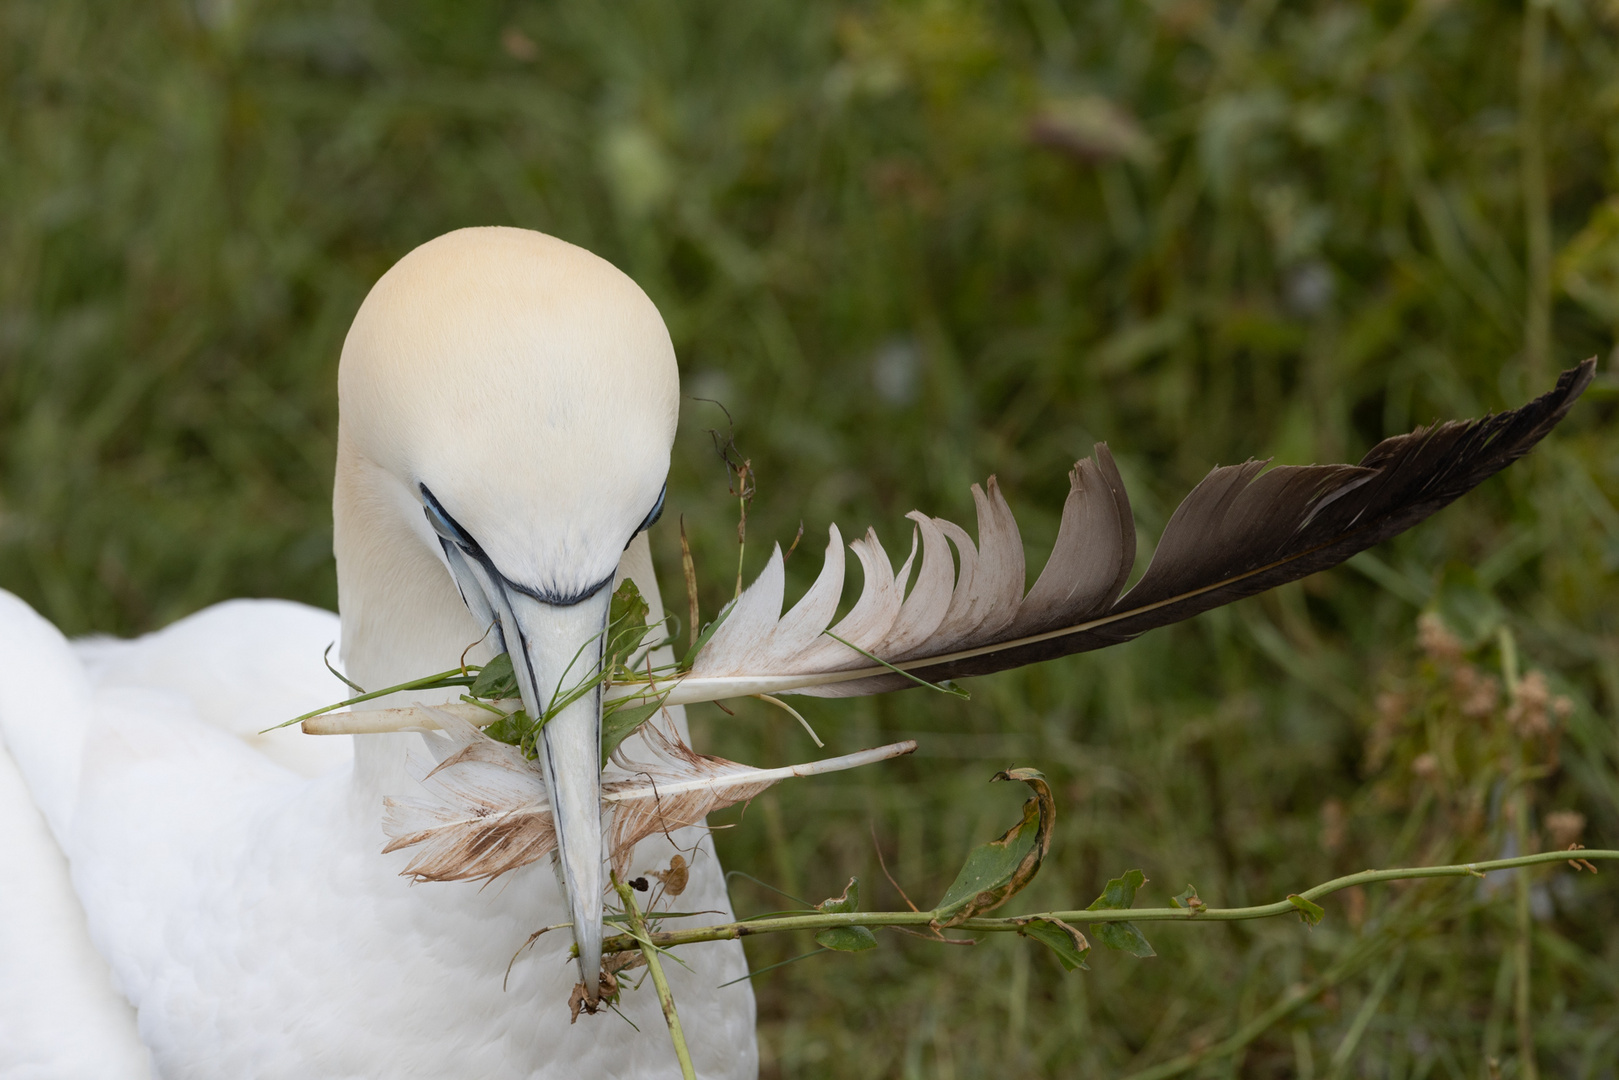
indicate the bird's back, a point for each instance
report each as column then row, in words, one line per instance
column 236, row 667
column 236, row 889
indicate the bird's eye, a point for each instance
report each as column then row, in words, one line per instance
column 442, row 523
column 656, row 512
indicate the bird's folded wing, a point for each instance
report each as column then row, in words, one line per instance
column 60, row 1015
column 1242, row 530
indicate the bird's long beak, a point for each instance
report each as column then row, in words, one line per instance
column 555, row 650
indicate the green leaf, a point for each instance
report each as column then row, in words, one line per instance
column 842, row 905
column 620, row 722
column 1126, row 937
column 846, row 939
column 496, row 680
column 626, row 620
column 628, row 604
column 1119, row 894
column 516, row 730
column 997, row 871
column 1188, row 900
column 1311, row 912
column 1061, row 938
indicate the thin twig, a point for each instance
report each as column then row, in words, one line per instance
column 655, row 968
column 1521, row 947
column 326, row 658
column 689, row 568
column 882, row 862
column 817, row 951
column 794, row 713
column 486, row 632
column 794, row 545
column 532, row 938
column 932, row 934
column 730, row 931
column 954, row 691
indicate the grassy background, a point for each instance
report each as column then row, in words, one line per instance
column 908, row 245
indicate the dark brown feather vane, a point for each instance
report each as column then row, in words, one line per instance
column 1242, row 531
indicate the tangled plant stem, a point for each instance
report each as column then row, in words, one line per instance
column 782, row 924
column 666, row 998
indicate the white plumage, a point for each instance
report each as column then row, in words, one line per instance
column 228, row 907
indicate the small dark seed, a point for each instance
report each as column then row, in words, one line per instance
column 639, row 884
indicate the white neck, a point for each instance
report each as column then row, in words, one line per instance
column 402, row 615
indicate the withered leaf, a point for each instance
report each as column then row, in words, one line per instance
column 997, row 871
column 607, row 994
column 674, row 879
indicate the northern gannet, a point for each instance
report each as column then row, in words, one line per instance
column 508, row 407
column 507, row 399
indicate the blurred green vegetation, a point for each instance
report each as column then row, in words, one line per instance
column 909, row 244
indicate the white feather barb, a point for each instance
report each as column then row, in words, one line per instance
column 948, row 613
column 488, row 812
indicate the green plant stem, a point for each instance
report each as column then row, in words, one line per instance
column 782, row 924
column 454, row 677
column 654, row 967
column 1521, row 948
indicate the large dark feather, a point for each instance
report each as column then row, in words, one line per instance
column 1242, row 531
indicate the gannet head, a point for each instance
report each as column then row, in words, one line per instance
column 519, row 396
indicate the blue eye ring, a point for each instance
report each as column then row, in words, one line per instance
column 656, row 511
column 442, row 522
